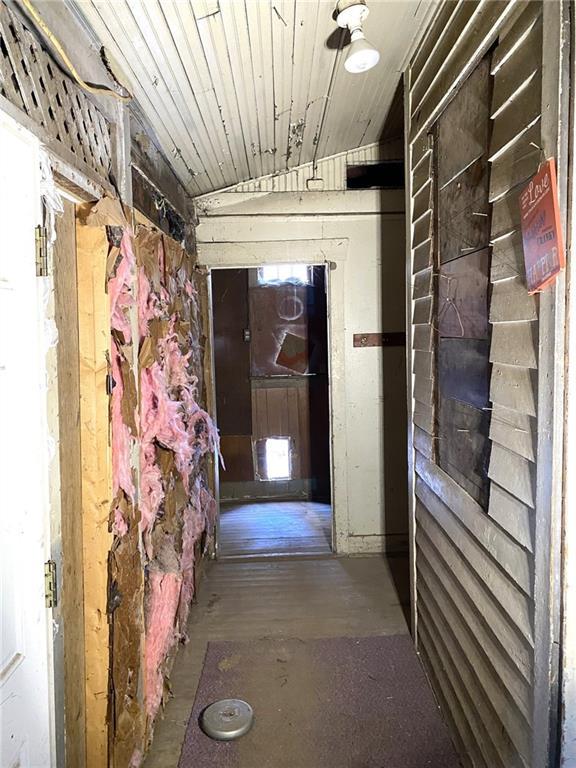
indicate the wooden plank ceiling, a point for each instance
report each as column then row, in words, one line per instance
column 238, row 89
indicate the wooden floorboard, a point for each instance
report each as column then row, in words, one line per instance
column 275, row 528
column 302, row 598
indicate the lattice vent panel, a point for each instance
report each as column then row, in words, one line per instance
column 31, row 81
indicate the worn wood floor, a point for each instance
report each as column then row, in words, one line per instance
column 303, row 598
column 275, row 528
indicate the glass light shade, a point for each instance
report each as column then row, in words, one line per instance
column 361, row 55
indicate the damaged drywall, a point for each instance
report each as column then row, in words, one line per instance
column 162, row 511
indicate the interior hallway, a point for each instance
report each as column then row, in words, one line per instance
column 275, row 528
column 296, row 598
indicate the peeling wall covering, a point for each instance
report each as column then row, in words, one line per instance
column 162, row 510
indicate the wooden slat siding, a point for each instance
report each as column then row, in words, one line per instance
column 489, row 645
column 422, row 311
column 424, row 390
column 513, row 472
column 420, row 149
column 423, row 363
column 516, row 518
column 449, row 557
column 422, row 201
column 446, row 40
column 507, row 258
column 421, row 230
column 450, row 707
column 423, row 442
column 458, row 62
column 517, row 164
column 421, row 173
column 437, row 639
column 422, row 338
column 506, row 215
column 422, row 256
column 422, row 284
column 423, row 417
column 514, row 387
column 494, row 712
column 494, row 542
column 513, row 36
column 514, row 431
column 515, row 344
column 432, row 40
column 511, row 302
column 499, row 698
column 510, row 598
column 519, row 69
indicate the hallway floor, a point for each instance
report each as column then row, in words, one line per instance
column 294, row 598
column 275, row 528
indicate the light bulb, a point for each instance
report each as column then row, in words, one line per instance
column 362, row 55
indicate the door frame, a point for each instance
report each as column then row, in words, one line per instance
column 335, row 359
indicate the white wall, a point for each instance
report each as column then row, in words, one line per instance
column 361, row 233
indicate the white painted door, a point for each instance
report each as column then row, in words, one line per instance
column 25, row 709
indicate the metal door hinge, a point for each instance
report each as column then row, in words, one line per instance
column 41, row 252
column 50, row 584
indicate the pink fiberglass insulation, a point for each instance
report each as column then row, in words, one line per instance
column 119, row 288
column 198, row 516
column 161, row 608
column 121, row 434
column 147, row 303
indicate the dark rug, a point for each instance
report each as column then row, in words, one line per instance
column 336, row 703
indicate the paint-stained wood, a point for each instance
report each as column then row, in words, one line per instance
column 72, row 581
column 94, row 340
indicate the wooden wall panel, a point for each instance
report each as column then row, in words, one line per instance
column 475, row 567
column 282, row 410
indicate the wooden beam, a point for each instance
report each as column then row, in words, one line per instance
column 94, row 342
column 72, row 587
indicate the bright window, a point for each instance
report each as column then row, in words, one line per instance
column 284, row 273
column 278, row 458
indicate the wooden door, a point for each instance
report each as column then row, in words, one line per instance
column 25, row 669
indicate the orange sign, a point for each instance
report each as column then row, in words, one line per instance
column 541, row 231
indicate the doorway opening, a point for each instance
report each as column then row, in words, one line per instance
column 272, row 399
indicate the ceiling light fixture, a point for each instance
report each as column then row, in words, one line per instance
column 362, row 56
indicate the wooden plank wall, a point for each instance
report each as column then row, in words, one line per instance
column 280, row 408
column 475, row 570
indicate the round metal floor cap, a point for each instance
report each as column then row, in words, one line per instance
column 227, row 719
